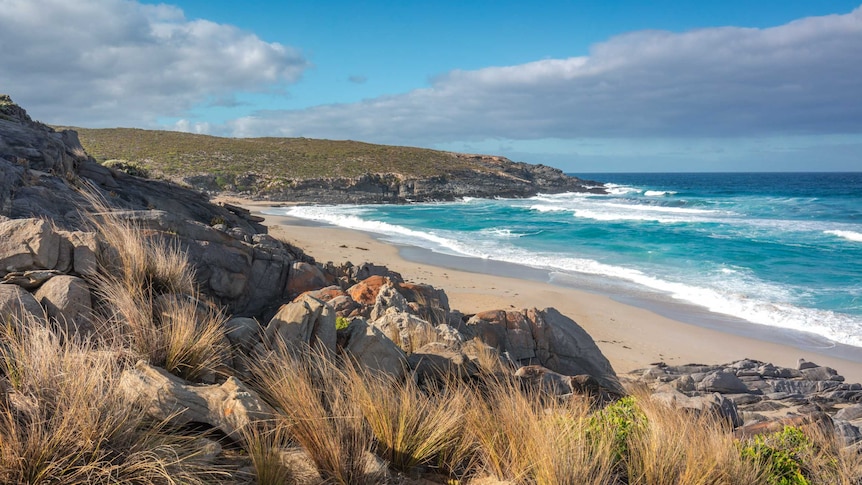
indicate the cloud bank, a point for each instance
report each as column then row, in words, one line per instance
column 118, row 62
column 798, row 78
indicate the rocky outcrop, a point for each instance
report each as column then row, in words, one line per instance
column 759, row 397
column 367, row 346
column 547, row 338
column 306, row 321
column 228, row 407
column 67, row 300
column 41, row 170
column 493, row 177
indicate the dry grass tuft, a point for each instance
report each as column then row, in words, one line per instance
column 264, row 444
column 502, row 422
column 677, row 446
column 411, row 427
column 65, row 421
column 486, row 358
column 149, row 300
column 193, row 337
column 309, row 392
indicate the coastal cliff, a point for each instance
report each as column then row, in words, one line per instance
column 321, row 171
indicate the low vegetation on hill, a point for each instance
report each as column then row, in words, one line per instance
column 319, row 171
column 179, row 154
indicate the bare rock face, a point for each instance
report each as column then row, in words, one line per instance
column 371, row 349
column 305, row 320
column 436, row 362
column 508, row 331
column 429, row 303
column 43, row 148
column 305, row 277
column 85, row 252
column 541, row 379
column 27, row 244
column 17, row 304
column 337, row 298
column 388, row 299
column 408, row 331
column 571, row 350
column 723, row 381
column 365, row 292
column 547, row 338
column 229, row 407
column 67, row 299
column 243, row 332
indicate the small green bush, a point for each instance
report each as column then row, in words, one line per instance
column 782, row 454
column 620, row 419
column 341, row 323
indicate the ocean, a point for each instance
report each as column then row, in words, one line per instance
column 782, row 250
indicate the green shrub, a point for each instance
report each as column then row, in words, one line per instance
column 782, row 454
column 620, row 420
column 341, row 323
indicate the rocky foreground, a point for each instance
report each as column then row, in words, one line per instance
column 52, row 263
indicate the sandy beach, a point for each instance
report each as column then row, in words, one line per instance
column 631, row 337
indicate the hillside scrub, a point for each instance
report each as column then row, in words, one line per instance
column 175, row 153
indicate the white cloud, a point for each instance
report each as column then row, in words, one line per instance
column 798, row 78
column 118, row 62
column 187, row 126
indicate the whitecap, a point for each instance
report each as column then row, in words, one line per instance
column 616, row 189
column 548, row 208
column 659, row 193
column 848, row 235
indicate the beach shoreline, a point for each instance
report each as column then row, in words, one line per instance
column 632, row 334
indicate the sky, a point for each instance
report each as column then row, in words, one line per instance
column 586, row 86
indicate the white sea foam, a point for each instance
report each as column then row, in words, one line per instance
column 658, row 208
column 618, row 216
column 504, row 233
column 616, row 189
column 548, row 208
column 659, row 193
column 849, row 235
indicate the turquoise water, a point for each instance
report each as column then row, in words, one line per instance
column 779, row 249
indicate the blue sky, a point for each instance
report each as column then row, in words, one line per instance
column 585, row 86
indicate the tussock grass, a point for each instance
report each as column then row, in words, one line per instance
column 150, row 302
column 486, row 358
column 680, row 447
column 309, row 392
column 264, row 443
column 193, row 337
column 141, row 261
column 411, row 427
column 65, row 421
column 502, row 423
